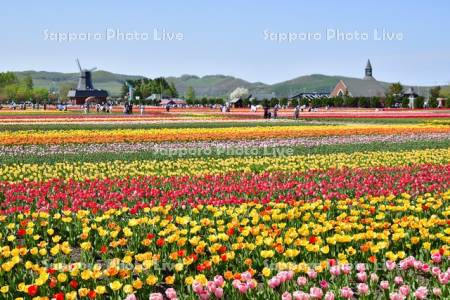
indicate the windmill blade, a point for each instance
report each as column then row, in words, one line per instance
column 93, row 69
column 79, row 66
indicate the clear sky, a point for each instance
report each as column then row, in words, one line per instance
column 232, row 38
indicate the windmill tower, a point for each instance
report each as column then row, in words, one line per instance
column 85, row 80
column 85, row 91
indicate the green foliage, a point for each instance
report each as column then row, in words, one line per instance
column 294, row 102
column 395, row 89
column 28, row 82
column 405, row 102
column 433, row 103
column 64, row 89
column 190, row 94
column 7, row 78
column 434, row 92
column 389, row 101
column 419, row 102
column 40, row 95
column 145, row 87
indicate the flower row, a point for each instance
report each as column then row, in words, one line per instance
column 206, row 134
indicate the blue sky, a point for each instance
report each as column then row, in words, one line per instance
column 227, row 37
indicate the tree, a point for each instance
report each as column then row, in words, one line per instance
column 389, row 101
column 284, row 101
column 273, row 102
column 419, row 102
column 239, row 92
column 40, row 95
column 173, row 90
column 405, row 102
column 11, row 91
column 190, row 94
column 23, row 93
column 7, row 78
column 434, row 94
column 396, row 89
column 64, row 90
column 294, row 102
column 28, row 82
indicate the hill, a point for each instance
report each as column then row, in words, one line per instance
column 102, row 79
column 205, row 86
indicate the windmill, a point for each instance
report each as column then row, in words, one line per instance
column 85, row 89
column 85, row 80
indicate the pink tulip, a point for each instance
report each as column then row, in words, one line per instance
column 437, row 292
column 311, row 274
column 329, row 296
column 323, row 284
column 274, row 282
column 290, row 275
column 421, row 293
column 362, row 276
column 204, row 295
column 316, row 293
column 373, row 277
column 390, row 265
column 156, row 296
column 246, row 276
column 283, row 276
column 361, row 267
column 251, row 284
column 404, row 290
column 384, row 285
column 286, row 296
column 171, row 293
column 299, row 295
column 301, row 280
column 444, row 278
column 218, row 280
column 131, row 297
column 346, row 292
column 363, row 289
column 396, row 296
column 235, row 283
column 218, row 292
column 436, row 271
column 335, row 270
column 197, row 287
column 346, row 269
column 243, row 288
column 436, row 258
column 398, row 280
column 425, row 268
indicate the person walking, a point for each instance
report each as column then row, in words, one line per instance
column 297, row 112
column 275, row 111
column 142, row 109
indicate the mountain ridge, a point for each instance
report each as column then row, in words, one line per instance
column 217, row 85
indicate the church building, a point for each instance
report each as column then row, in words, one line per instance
column 367, row 87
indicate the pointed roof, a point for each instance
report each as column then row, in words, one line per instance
column 368, row 66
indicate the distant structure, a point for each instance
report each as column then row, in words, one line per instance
column 367, row 87
column 310, row 95
column 412, row 96
column 130, row 91
column 85, row 89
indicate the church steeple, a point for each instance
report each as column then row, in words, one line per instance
column 368, row 70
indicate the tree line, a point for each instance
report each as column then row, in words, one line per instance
column 13, row 89
column 143, row 88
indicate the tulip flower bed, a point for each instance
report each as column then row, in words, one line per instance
column 206, row 134
column 350, row 212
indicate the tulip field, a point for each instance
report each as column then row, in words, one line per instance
column 237, row 208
